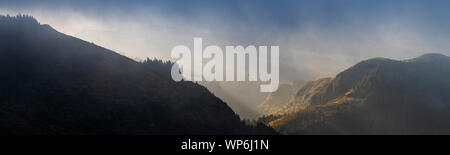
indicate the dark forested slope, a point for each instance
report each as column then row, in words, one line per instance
column 52, row 83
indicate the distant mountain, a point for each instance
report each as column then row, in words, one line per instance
column 246, row 100
column 376, row 96
column 276, row 101
column 244, row 111
column 52, row 83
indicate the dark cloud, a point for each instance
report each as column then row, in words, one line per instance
column 283, row 14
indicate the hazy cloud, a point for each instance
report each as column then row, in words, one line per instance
column 316, row 38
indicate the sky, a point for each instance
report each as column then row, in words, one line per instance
column 317, row 38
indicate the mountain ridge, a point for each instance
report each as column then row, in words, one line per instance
column 376, row 96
